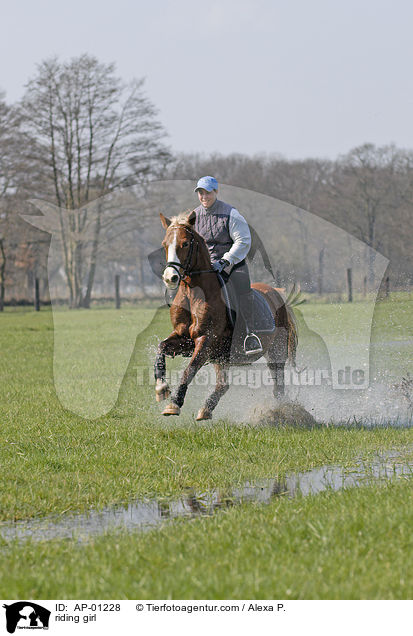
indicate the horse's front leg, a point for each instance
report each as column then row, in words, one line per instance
column 199, row 358
column 170, row 346
column 222, row 386
column 162, row 390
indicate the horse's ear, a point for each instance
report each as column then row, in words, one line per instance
column 191, row 218
column 165, row 221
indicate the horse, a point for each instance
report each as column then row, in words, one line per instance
column 202, row 329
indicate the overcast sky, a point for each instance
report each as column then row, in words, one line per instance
column 297, row 77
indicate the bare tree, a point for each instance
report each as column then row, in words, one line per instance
column 94, row 135
column 364, row 192
column 11, row 177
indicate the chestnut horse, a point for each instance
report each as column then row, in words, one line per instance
column 202, row 329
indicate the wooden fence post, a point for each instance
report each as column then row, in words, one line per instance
column 117, row 291
column 350, row 285
column 320, row 271
column 36, row 295
column 2, row 273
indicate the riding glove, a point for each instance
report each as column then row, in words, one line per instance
column 220, row 265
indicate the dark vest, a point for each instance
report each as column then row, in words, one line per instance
column 213, row 226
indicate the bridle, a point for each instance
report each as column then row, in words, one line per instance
column 185, row 271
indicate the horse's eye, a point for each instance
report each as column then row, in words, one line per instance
column 186, row 244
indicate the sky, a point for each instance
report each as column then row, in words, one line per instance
column 300, row 78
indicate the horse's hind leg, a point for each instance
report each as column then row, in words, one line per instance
column 221, row 387
column 276, row 358
column 277, row 374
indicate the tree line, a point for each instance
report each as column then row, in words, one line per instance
column 80, row 134
column 367, row 192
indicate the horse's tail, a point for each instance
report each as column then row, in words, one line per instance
column 292, row 331
column 293, row 299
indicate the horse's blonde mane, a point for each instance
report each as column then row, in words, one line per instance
column 181, row 219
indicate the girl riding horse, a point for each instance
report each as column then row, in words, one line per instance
column 201, row 325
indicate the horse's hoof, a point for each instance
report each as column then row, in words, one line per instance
column 171, row 409
column 203, row 414
column 162, row 392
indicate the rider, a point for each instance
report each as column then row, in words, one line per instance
column 228, row 238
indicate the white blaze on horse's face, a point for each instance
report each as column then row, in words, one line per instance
column 170, row 276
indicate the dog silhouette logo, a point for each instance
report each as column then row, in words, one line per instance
column 26, row 615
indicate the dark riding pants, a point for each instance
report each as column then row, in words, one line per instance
column 240, row 278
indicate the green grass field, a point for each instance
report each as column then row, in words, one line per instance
column 53, row 461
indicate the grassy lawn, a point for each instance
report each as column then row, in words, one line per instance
column 53, row 460
column 347, row 325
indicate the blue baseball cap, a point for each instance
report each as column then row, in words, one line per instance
column 207, row 183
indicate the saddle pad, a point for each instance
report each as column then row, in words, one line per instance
column 263, row 319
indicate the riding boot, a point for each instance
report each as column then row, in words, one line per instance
column 252, row 344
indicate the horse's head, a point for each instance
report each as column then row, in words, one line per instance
column 180, row 245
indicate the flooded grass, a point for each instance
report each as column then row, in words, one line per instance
column 77, row 468
column 352, row 543
column 146, row 514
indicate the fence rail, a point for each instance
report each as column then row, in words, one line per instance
column 40, row 294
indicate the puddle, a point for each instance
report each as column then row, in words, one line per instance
column 145, row 514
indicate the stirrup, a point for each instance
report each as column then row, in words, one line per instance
column 255, row 341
